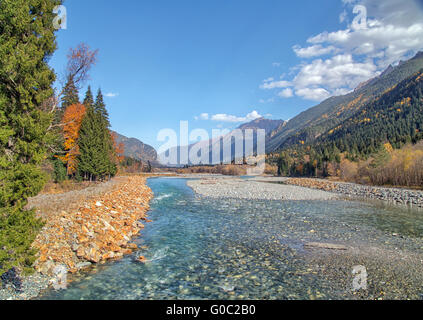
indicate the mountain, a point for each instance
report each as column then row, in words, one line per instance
column 262, row 123
column 387, row 122
column 311, row 124
column 395, row 117
column 136, row 149
column 217, row 144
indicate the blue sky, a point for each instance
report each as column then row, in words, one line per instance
column 215, row 62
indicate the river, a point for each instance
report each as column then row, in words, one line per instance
column 200, row 248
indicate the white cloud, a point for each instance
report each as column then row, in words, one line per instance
column 337, row 72
column 313, row 51
column 383, row 43
column 111, row 95
column 286, row 93
column 203, row 116
column 222, row 117
column 317, row 94
column 267, row 85
column 381, row 33
column 276, row 64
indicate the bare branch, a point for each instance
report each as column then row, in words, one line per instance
column 80, row 61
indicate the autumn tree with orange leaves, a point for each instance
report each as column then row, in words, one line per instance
column 64, row 148
column 72, row 119
column 119, row 148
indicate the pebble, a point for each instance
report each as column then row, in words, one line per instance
column 236, row 188
column 392, row 195
column 80, row 238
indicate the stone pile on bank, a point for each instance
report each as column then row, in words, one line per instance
column 392, row 195
column 98, row 231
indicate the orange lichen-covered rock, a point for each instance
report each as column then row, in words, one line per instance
column 94, row 232
column 142, row 259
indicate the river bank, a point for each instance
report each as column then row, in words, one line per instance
column 228, row 248
column 84, row 228
column 251, row 189
column 224, row 246
column 392, row 195
column 285, row 189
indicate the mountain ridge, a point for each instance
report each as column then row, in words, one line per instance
column 136, row 149
column 310, row 124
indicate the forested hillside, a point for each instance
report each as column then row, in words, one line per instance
column 396, row 117
column 312, row 123
column 382, row 125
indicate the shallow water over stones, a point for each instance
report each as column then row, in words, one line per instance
column 201, row 248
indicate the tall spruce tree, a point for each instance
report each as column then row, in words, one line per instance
column 96, row 159
column 70, row 94
column 89, row 146
column 100, row 107
column 27, row 41
column 108, row 160
column 89, row 98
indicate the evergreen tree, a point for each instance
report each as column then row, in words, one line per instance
column 100, row 107
column 60, row 172
column 89, row 98
column 96, row 159
column 87, row 143
column 109, row 159
column 27, row 41
column 70, row 94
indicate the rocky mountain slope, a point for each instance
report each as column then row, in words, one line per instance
column 136, row 149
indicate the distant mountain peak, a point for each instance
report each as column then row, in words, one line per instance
column 387, row 71
column 262, row 123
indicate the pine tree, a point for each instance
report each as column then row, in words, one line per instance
column 109, row 160
column 97, row 159
column 70, row 94
column 89, row 98
column 100, row 107
column 96, row 153
column 88, row 146
column 27, row 41
column 89, row 141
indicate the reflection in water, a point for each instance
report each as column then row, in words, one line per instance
column 231, row 249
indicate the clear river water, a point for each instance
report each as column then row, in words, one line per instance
column 200, row 248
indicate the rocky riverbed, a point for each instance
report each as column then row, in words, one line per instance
column 279, row 188
column 393, row 195
column 82, row 231
column 237, row 188
column 208, row 248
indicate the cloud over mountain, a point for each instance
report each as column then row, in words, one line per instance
column 377, row 34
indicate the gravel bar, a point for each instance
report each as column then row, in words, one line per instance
column 397, row 196
column 237, row 188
